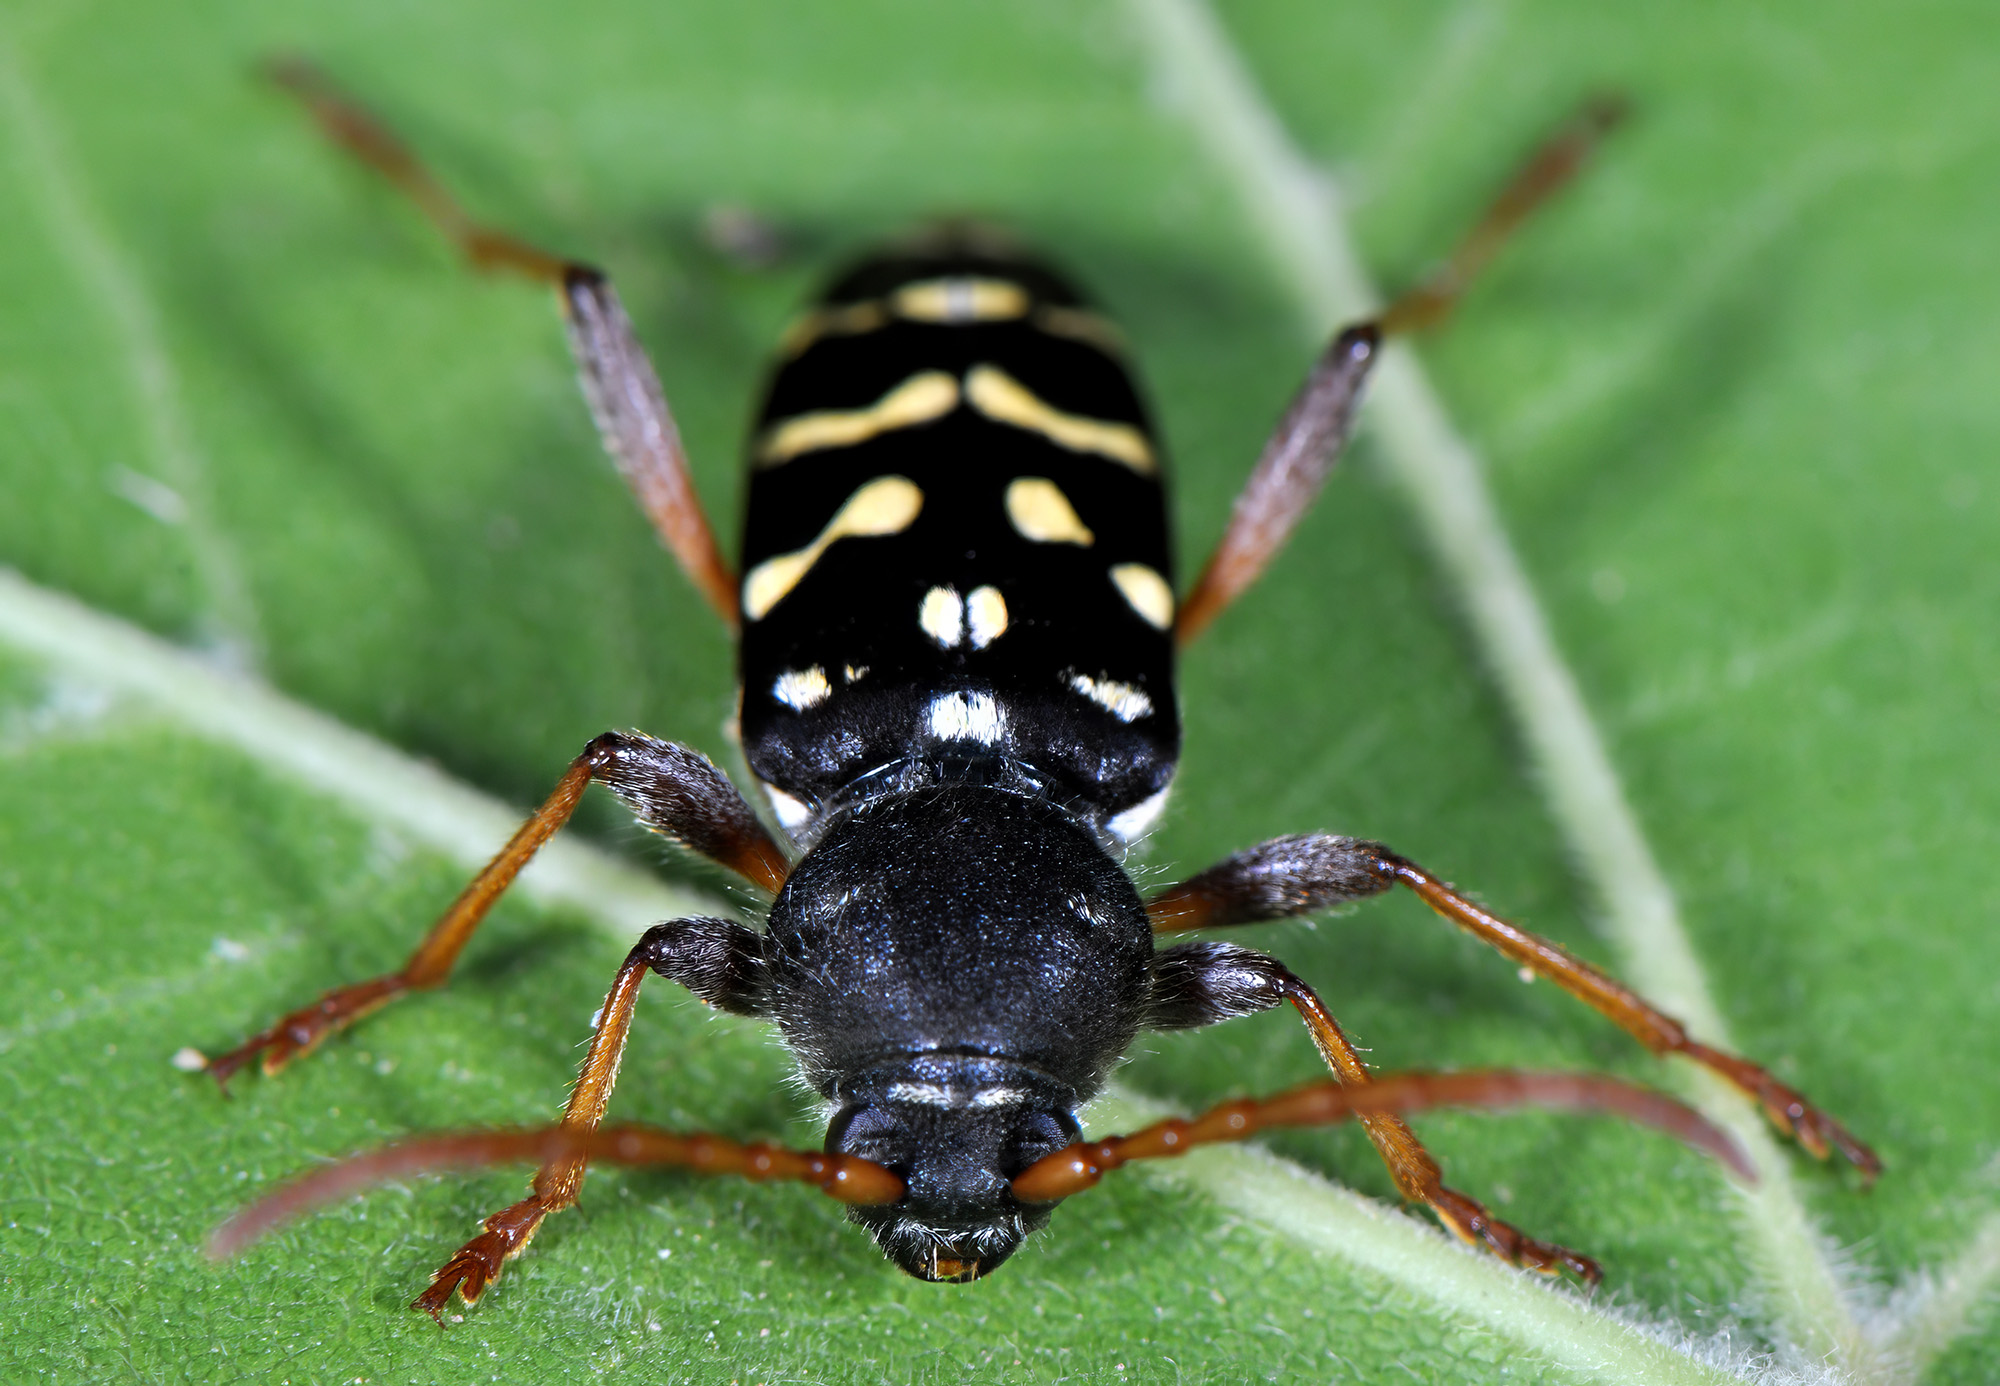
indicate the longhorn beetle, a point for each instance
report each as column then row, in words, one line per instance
column 957, row 628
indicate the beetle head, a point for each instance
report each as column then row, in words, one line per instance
column 956, row 1139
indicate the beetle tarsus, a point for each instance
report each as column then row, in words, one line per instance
column 1469, row 1220
column 477, row 1264
column 304, row 1030
column 1789, row 1111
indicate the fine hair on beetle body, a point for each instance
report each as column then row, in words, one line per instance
column 958, row 625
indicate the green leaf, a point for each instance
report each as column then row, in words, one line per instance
column 1730, row 394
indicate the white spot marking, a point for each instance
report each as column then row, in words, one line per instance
column 942, row 616
column 937, row 1095
column 189, row 1059
column 967, row 717
column 799, row 689
column 792, row 813
column 1147, row 592
column 986, row 615
column 1121, row 700
column 1042, row 513
column 1135, row 821
column 886, row 505
column 1000, row 1097
column 929, row 1094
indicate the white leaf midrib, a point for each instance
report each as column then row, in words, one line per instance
column 376, row 781
column 108, row 284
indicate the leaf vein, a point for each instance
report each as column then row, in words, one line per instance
column 51, row 174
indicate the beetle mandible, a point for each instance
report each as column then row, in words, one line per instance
column 958, row 628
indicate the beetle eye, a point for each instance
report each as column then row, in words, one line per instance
column 1035, row 1135
column 873, row 1133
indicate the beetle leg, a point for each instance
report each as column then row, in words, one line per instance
column 1547, row 171
column 1201, row 983
column 673, row 790
column 1412, row 1167
column 721, row 962
column 638, row 430
column 617, row 376
column 1292, row 876
column 1309, row 439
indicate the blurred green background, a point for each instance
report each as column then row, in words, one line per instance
column 1734, row 392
